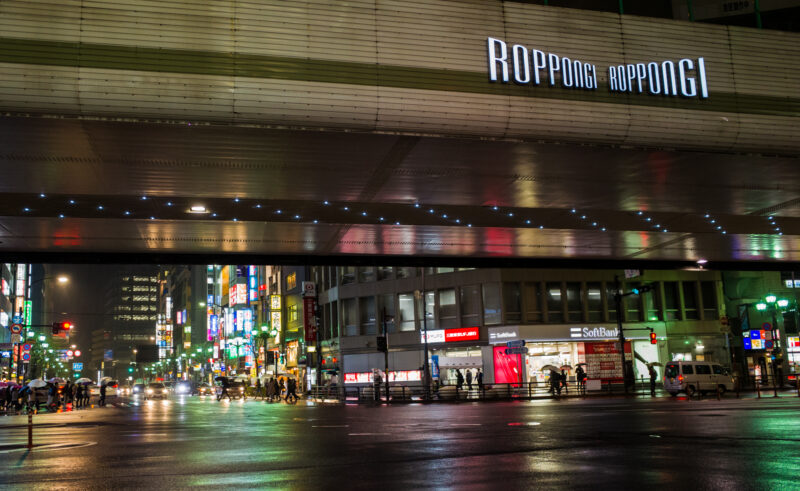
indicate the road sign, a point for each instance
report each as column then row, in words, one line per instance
column 516, row 351
column 766, row 326
column 77, row 367
column 16, row 338
column 15, row 328
column 26, row 356
column 26, row 347
column 516, row 344
column 17, row 319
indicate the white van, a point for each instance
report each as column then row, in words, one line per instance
column 693, row 376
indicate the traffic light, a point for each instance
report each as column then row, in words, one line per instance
column 59, row 327
column 130, row 369
column 382, row 343
column 653, row 339
column 642, row 289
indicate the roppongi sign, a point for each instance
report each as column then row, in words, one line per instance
column 523, row 66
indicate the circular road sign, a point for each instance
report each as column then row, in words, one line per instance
column 26, row 357
column 16, row 328
column 26, row 347
column 766, row 326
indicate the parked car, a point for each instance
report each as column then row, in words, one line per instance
column 692, row 376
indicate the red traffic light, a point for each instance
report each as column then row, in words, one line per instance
column 653, row 339
column 66, row 325
column 59, row 327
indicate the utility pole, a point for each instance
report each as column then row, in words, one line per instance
column 618, row 305
column 386, row 355
column 425, row 368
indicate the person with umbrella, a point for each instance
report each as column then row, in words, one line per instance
column 653, row 375
column 102, row 401
column 225, row 385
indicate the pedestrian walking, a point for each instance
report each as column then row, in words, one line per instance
column 78, row 396
column 258, row 389
column 87, row 396
column 291, row 390
column 469, row 380
column 479, row 379
column 459, row 380
column 224, row 392
column 102, row 401
column 653, row 375
column 52, row 395
column 377, row 380
column 563, row 380
column 555, row 383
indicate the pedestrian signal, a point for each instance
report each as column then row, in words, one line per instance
column 653, row 338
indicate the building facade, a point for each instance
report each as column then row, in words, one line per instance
column 563, row 317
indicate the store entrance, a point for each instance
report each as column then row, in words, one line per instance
column 447, row 362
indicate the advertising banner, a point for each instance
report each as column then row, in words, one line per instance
column 309, row 319
column 603, row 361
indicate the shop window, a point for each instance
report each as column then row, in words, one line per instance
column 574, row 303
column 708, row 290
column 652, row 303
column 350, row 317
column 533, row 302
column 427, row 312
column 672, row 306
column 291, row 281
column 690, row 311
column 366, row 274
column 386, row 313
column 405, row 273
column 334, row 319
column 368, row 324
column 512, row 302
column 633, row 303
column 470, row 305
column 491, row 304
column 384, row 273
column 448, row 315
column 293, row 313
column 405, row 305
column 594, row 302
column 555, row 303
column 444, row 270
column 348, row 275
column 611, row 304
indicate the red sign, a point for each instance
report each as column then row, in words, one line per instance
column 309, row 319
column 462, row 334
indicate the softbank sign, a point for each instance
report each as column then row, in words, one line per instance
column 524, row 66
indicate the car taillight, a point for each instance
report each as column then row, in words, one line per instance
column 680, row 378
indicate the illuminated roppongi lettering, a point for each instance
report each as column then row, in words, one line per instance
column 533, row 66
column 686, row 78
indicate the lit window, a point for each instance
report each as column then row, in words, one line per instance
column 291, row 281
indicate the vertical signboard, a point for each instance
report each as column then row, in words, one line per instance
column 310, row 319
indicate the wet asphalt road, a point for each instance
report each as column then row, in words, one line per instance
column 586, row 444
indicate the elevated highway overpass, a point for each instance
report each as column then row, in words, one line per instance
column 372, row 129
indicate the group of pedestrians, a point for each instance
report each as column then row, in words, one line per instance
column 274, row 389
column 51, row 396
column 478, row 378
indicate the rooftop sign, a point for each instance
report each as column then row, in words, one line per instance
column 523, row 66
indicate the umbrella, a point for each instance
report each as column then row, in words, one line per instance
column 550, row 367
column 56, row 380
column 579, row 364
column 655, row 364
column 83, row 380
column 35, row 384
column 220, row 378
column 566, row 367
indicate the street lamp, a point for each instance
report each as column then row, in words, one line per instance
column 62, row 279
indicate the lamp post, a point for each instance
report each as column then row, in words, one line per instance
column 61, row 280
column 772, row 304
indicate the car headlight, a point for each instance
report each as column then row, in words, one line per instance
column 149, row 391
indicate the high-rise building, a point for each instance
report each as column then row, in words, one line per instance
column 131, row 303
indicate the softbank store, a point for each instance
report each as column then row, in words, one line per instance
column 596, row 346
